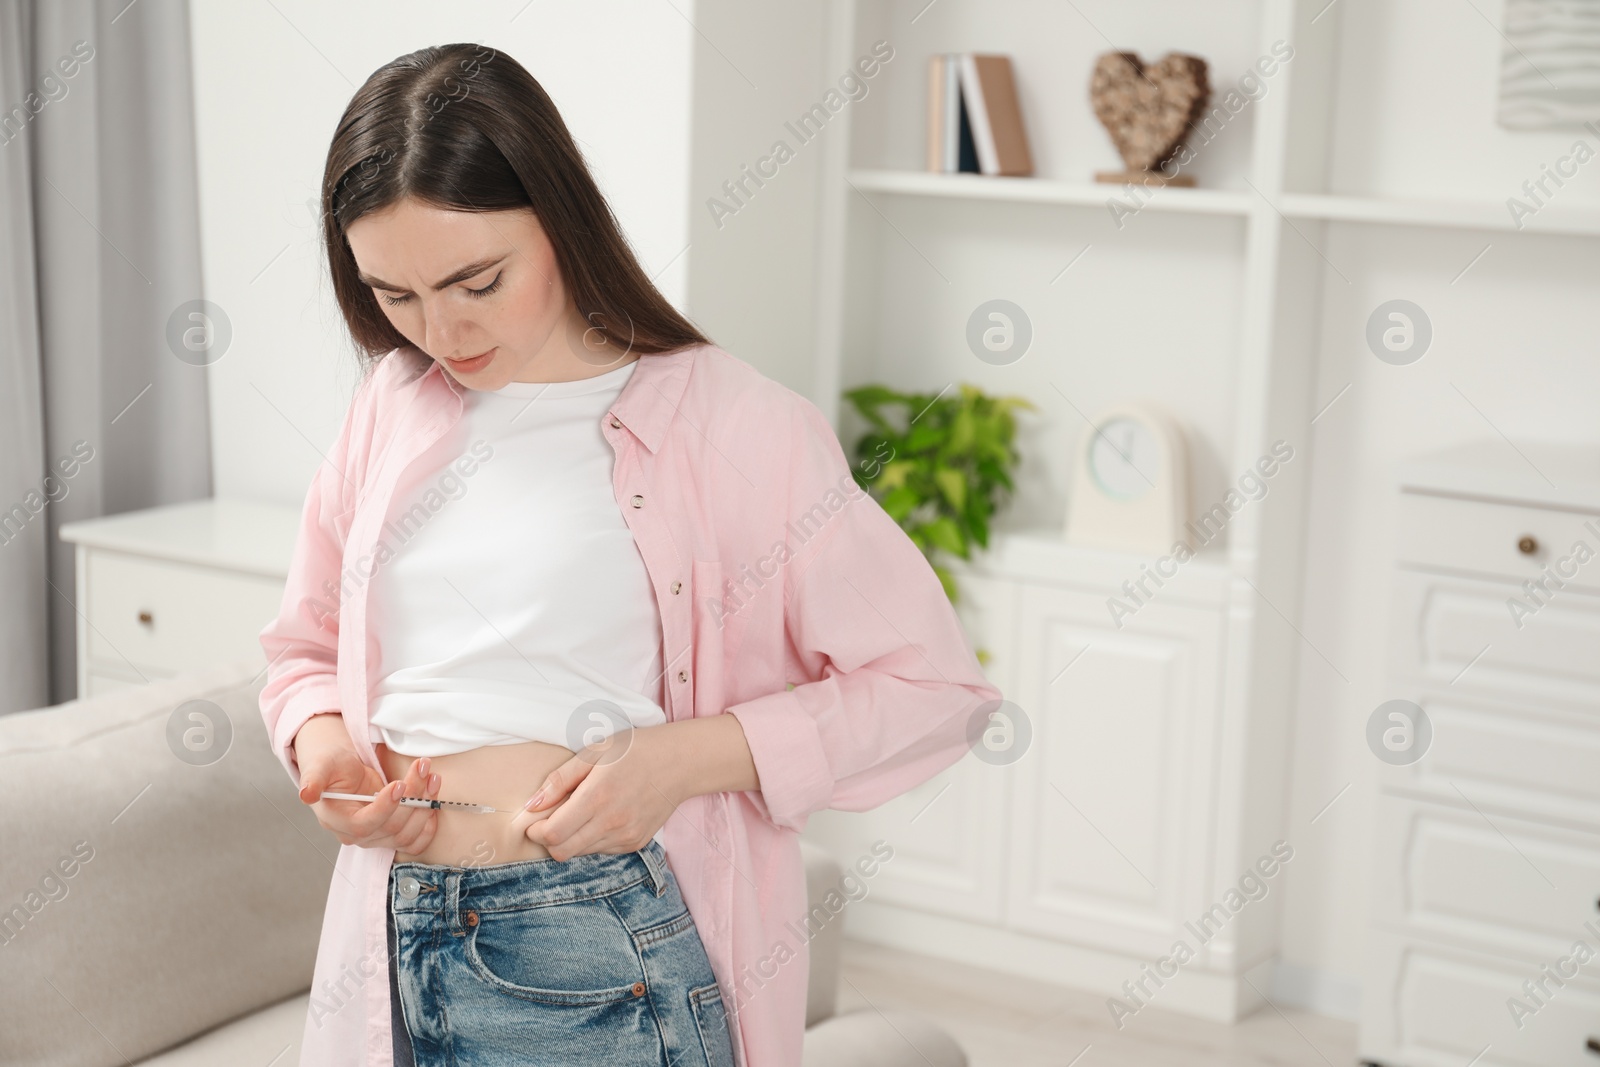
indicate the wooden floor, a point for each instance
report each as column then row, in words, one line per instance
column 1005, row 1021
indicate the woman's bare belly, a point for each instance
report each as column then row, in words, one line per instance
column 502, row 776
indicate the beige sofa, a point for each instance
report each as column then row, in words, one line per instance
column 162, row 891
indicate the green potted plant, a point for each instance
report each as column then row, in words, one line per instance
column 939, row 464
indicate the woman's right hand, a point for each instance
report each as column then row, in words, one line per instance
column 329, row 763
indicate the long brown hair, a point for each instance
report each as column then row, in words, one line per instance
column 466, row 128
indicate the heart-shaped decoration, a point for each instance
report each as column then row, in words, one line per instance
column 1148, row 110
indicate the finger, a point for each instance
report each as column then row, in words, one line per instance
column 343, row 773
column 426, row 830
column 605, row 832
column 414, row 784
column 347, row 775
column 332, row 820
column 559, row 783
column 567, row 819
column 524, row 821
column 370, row 817
column 344, row 816
column 415, row 839
column 577, row 845
column 321, row 775
column 405, row 824
column 422, row 825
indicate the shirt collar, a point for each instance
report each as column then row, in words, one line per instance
column 648, row 401
column 653, row 394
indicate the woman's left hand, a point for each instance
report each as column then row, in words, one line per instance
column 613, row 796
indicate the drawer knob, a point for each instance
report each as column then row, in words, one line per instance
column 1528, row 545
column 146, row 618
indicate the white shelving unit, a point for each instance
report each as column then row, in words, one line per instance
column 1160, row 754
column 1458, row 214
column 1038, row 191
column 1155, row 776
column 1084, row 860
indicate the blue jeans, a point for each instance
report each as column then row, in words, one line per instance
column 589, row 960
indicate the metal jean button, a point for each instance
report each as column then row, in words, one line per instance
column 409, row 887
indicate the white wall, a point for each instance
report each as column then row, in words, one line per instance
column 1513, row 353
column 753, row 273
column 271, row 81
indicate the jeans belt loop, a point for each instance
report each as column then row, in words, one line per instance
column 452, row 903
column 651, row 854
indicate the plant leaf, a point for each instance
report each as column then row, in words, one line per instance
column 953, row 484
column 943, row 476
column 944, row 533
column 900, row 502
column 924, row 435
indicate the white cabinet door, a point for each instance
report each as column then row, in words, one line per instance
column 1462, row 632
column 1521, row 756
column 1498, row 539
column 1111, row 808
column 1469, row 874
column 1432, row 1005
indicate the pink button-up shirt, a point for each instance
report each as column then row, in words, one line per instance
column 769, row 566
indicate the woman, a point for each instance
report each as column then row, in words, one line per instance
column 569, row 560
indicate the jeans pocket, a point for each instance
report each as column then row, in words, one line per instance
column 711, row 1020
column 577, row 953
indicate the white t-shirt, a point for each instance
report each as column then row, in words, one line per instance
column 516, row 606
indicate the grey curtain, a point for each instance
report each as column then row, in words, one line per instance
column 99, row 247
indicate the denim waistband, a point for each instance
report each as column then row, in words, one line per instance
column 441, row 888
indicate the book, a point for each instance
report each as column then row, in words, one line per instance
column 989, row 90
column 974, row 119
column 938, row 108
column 967, row 149
column 951, row 135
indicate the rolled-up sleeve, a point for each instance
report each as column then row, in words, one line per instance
column 891, row 681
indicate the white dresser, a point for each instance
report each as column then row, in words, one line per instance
column 1121, row 818
column 1487, row 847
column 171, row 589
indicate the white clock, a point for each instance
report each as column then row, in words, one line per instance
column 1130, row 482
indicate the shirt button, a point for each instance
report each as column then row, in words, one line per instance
column 409, row 887
column 615, row 425
column 683, row 676
column 638, row 501
column 675, row 587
